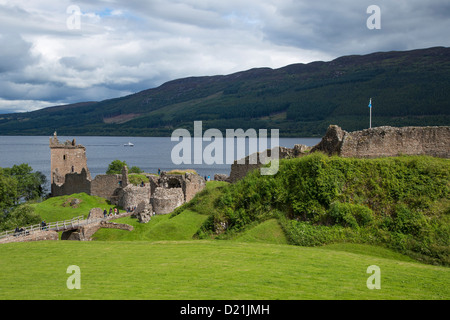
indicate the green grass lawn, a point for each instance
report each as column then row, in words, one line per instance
column 160, row 227
column 266, row 232
column 59, row 208
column 197, row 270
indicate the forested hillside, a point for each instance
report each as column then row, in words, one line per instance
column 407, row 88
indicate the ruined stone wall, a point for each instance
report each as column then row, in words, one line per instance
column 131, row 196
column 239, row 171
column 190, row 183
column 74, row 183
column 85, row 233
column 386, row 142
column 241, row 168
column 67, row 157
column 221, row 177
column 193, row 183
column 391, row 142
column 331, row 143
column 34, row 236
column 105, row 185
column 153, row 182
column 369, row 143
column 164, row 201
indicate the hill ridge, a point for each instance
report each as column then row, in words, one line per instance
column 408, row 88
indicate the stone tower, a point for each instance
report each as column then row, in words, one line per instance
column 67, row 157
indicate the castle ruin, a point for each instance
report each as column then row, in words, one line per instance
column 369, row 143
column 66, row 157
column 161, row 195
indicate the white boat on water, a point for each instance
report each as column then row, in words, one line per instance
column 129, row 144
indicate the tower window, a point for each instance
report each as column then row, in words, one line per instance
column 64, row 157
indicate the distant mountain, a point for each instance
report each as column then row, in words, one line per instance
column 407, row 88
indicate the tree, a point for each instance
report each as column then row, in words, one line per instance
column 22, row 215
column 115, row 167
column 135, row 169
column 8, row 192
column 29, row 183
column 19, row 184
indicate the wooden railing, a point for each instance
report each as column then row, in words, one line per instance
column 73, row 223
column 57, row 226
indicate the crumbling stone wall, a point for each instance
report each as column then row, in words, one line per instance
column 153, row 182
column 386, row 142
column 143, row 212
column 105, row 185
column 240, row 168
column 369, row 143
column 73, row 183
column 189, row 183
column 221, row 177
column 131, row 196
column 85, row 233
column 34, row 236
column 193, row 183
column 331, row 143
column 67, row 157
column 164, row 201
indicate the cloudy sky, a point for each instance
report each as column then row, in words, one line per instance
column 59, row 52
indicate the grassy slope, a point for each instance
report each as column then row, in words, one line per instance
column 181, row 227
column 266, row 232
column 59, row 208
column 402, row 203
column 210, row 270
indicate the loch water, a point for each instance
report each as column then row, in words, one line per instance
column 148, row 153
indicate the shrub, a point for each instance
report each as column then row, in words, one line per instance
column 350, row 215
column 137, row 179
column 408, row 221
column 22, row 215
column 135, row 169
column 115, row 167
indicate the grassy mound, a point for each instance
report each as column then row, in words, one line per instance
column 159, row 228
column 268, row 231
column 66, row 207
column 402, row 203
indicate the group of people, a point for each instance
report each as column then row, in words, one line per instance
column 111, row 212
column 22, row 231
column 131, row 209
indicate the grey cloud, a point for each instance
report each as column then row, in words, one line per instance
column 150, row 42
column 340, row 27
column 82, row 63
column 15, row 52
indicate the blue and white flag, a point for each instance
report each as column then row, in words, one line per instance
column 370, row 103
